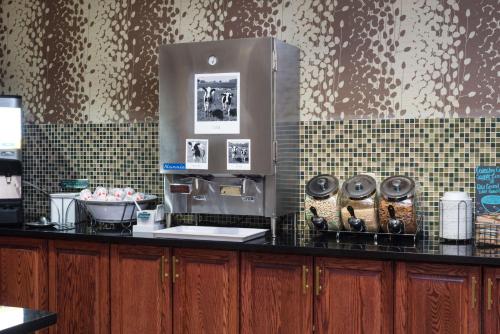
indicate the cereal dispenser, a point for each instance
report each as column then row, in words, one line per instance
column 358, row 204
column 321, row 211
column 398, row 205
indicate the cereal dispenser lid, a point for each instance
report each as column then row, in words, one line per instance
column 360, row 186
column 397, row 187
column 322, row 186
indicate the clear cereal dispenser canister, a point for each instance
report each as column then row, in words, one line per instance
column 358, row 203
column 398, row 205
column 321, row 211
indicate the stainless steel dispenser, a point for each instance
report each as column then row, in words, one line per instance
column 229, row 127
column 11, row 169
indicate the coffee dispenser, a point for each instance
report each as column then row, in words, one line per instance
column 229, row 128
column 11, row 168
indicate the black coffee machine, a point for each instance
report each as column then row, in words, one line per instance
column 11, row 167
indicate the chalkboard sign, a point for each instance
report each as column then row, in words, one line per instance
column 488, row 191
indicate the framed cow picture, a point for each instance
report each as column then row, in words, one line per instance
column 217, row 103
column 196, row 153
column 239, row 154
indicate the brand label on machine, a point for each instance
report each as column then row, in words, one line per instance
column 174, row 166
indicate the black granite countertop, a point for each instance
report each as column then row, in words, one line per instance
column 24, row 320
column 326, row 245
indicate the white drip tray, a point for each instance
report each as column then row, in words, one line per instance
column 214, row 233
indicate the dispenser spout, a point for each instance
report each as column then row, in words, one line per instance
column 248, row 187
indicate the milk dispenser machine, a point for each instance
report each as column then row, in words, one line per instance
column 11, row 169
column 229, row 128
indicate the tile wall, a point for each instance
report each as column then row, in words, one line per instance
column 441, row 154
column 106, row 154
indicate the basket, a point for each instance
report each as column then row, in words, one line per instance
column 487, row 233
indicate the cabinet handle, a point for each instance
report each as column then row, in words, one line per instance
column 305, row 286
column 490, row 298
column 162, row 268
column 174, row 273
column 318, row 286
column 474, row 283
column 165, row 261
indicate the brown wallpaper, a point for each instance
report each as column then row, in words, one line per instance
column 95, row 61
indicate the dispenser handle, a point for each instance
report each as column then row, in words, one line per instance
column 392, row 212
column 351, row 211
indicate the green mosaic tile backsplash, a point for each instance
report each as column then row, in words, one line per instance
column 107, row 154
column 441, row 154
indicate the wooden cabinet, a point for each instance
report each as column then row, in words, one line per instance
column 353, row 296
column 79, row 286
column 276, row 294
column 23, row 273
column 205, row 291
column 146, row 289
column 491, row 300
column 140, row 290
column 437, row 298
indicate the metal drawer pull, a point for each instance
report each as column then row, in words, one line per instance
column 165, row 261
column 318, row 286
column 305, row 286
column 174, row 273
column 490, row 298
column 474, row 283
column 162, row 269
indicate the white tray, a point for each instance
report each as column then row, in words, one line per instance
column 211, row 233
column 146, row 230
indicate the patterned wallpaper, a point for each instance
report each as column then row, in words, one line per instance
column 95, row 61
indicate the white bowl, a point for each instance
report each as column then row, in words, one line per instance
column 116, row 212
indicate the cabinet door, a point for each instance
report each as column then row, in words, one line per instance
column 276, row 294
column 353, row 296
column 79, row 286
column 140, row 290
column 491, row 300
column 205, row 291
column 437, row 298
column 23, row 273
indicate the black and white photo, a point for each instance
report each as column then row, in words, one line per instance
column 196, row 153
column 238, row 154
column 217, row 103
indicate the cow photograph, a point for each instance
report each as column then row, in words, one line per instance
column 217, row 102
column 238, row 154
column 196, row 153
